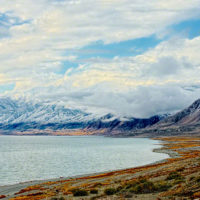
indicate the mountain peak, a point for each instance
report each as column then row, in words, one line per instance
column 195, row 105
column 188, row 116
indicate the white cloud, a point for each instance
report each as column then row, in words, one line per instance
column 140, row 86
column 48, row 30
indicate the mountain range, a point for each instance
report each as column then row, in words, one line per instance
column 21, row 116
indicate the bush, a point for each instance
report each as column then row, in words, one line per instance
column 131, row 184
column 119, row 189
column 110, row 191
column 198, row 179
column 97, row 185
column 78, row 192
column 192, row 178
column 174, row 175
column 143, row 180
column 177, row 181
column 137, row 189
column 143, row 186
column 93, row 191
column 180, row 169
column 162, row 186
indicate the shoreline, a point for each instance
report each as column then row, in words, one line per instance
column 10, row 189
column 184, row 155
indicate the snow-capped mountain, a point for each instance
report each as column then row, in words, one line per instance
column 18, row 111
column 19, row 115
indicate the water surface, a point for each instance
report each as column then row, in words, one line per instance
column 25, row 158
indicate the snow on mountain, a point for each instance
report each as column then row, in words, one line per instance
column 21, row 115
column 18, row 111
column 187, row 117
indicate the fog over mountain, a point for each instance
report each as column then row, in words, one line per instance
column 18, row 115
column 190, row 116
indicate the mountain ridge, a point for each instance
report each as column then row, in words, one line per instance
column 17, row 115
column 187, row 116
column 20, row 116
column 184, row 122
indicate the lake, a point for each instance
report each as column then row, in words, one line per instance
column 26, row 158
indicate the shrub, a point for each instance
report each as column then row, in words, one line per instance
column 174, row 175
column 192, row 178
column 131, row 184
column 78, row 192
column 148, row 187
column 162, row 186
column 110, row 191
column 143, row 180
column 137, row 189
column 119, row 189
column 198, row 179
column 177, row 181
column 180, row 169
column 97, row 185
column 143, row 186
column 94, row 191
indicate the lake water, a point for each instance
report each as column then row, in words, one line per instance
column 25, row 158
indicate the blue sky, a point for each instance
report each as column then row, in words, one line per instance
column 134, row 53
column 186, row 29
column 109, row 51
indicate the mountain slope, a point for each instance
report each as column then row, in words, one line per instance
column 125, row 124
column 185, row 122
column 187, row 117
column 18, row 111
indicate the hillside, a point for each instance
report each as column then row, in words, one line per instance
column 186, row 117
column 185, row 122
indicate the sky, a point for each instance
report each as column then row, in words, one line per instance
column 128, row 57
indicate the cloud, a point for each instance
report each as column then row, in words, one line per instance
column 155, row 82
column 40, row 36
column 47, row 30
